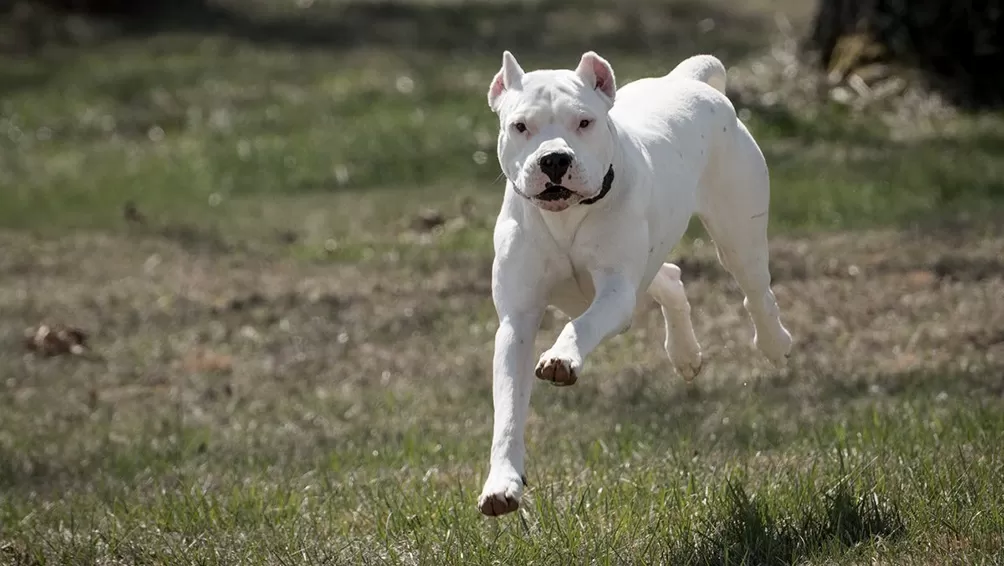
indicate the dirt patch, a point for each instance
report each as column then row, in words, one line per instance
column 858, row 305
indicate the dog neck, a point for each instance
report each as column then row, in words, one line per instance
column 617, row 159
column 608, row 181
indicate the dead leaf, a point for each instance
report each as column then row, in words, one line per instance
column 427, row 219
column 921, row 277
column 56, row 340
column 132, row 214
column 207, row 361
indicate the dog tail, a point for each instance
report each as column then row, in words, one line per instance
column 705, row 68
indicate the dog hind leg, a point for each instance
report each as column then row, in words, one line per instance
column 734, row 210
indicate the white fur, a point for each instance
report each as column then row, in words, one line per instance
column 677, row 149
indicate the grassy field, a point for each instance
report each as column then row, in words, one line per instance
column 275, row 230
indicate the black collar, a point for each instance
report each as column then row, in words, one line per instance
column 608, row 181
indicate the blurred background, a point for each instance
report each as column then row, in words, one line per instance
column 248, row 243
column 173, row 105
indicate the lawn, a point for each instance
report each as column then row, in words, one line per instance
column 275, row 230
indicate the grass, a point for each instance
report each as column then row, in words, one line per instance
column 186, row 126
column 293, row 363
column 742, row 480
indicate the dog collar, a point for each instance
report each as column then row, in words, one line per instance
column 608, row 181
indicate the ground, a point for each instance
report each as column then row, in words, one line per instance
column 278, row 245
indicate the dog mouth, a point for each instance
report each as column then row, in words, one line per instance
column 553, row 192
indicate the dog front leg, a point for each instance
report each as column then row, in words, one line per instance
column 610, row 313
column 511, row 385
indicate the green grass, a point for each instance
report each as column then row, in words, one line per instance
column 350, row 423
column 190, row 127
column 732, row 479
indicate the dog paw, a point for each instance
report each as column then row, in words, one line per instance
column 686, row 358
column 776, row 346
column 501, row 494
column 558, row 369
column 688, row 366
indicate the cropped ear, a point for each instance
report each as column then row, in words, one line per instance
column 510, row 76
column 595, row 71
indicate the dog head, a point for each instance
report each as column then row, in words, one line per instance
column 555, row 142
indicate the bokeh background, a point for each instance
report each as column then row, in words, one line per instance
column 245, row 312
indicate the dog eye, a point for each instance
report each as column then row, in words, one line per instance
column 583, row 124
column 520, row 127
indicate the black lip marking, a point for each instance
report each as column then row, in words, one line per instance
column 554, row 192
column 608, row 181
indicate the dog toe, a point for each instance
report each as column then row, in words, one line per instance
column 497, row 505
column 556, row 371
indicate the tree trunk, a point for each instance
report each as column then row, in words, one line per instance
column 958, row 45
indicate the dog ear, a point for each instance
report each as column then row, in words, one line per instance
column 594, row 70
column 510, row 76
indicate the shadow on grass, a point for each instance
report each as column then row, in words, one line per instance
column 748, row 531
column 557, row 28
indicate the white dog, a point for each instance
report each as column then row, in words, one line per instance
column 598, row 193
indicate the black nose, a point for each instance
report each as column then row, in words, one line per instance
column 554, row 165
